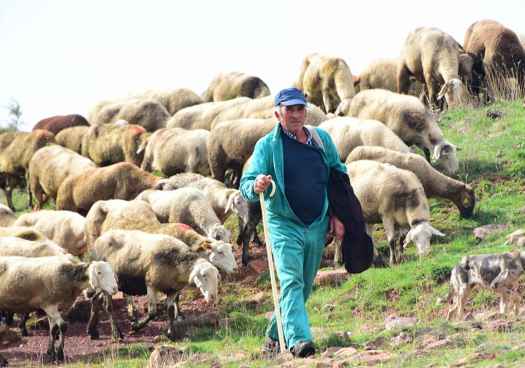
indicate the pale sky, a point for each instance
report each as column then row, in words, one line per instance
column 62, row 57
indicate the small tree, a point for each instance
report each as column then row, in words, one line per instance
column 14, row 113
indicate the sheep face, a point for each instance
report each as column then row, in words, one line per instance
column 444, row 156
column 102, row 277
column 467, row 202
column 222, row 256
column 343, row 108
column 219, row 232
column 421, row 235
column 453, row 91
column 239, row 205
column 206, row 277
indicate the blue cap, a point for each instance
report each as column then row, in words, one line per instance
column 290, row 96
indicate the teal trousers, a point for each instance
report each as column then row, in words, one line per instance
column 297, row 251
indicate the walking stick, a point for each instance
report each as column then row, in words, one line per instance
column 271, row 267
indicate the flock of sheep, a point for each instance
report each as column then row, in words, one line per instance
column 146, row 235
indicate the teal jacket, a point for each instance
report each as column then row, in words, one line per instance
column 267, row 159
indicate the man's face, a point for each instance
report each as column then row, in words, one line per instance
column 292, row 117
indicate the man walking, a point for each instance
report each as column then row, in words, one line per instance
column 299, row 160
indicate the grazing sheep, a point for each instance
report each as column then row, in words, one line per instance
column 118, row 181
column 28, row 284
column 434, row 183
column 498, row 272
column 109, row 144
column 55, row 124
column 434, row 58
column 396, row 198
column 405, row 115
column 326, row 81
column 149, row 114
column 48, row 169
column 188, row 206
column 7, row 216
column 72, row 138
column 176, row 150
column 151, row 263
column 224, row 201
column 201, row 116
column 16, row 150
column 173, row 100
column 349, row 133
column 498, row 47
column 66, row 228
column 227, row 86
column 119, row 214
column 382, row 74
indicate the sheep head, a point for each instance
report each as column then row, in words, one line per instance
column 453, row 91
column 466, row 201
column 222, row 257
column 238, row 205
column 444, row 156
column 421, row 235
column 102, row 277
column 205, row 277
column 219, row 232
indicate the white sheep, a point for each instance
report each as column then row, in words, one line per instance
column 66, row 228
column 7, row 216
column 396, row 198
column 28, row 284
column 151, row 263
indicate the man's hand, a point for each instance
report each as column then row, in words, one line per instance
column 337, row 228
column 261, row 183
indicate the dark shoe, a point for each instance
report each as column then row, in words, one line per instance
column 303, row 349
column 271, row 346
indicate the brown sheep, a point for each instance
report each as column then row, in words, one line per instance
column 434, row 58
column 72, row 138
column 109, row 144
column 326, row 81
column 49, row 167
column 173, row 100
column 176, row 150
column 499, row 48
column 119, row 181
column 227, row 86
column 16, row 150
column 55, row 124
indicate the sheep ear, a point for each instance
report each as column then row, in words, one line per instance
column 437, row 232
column 443, row 91
column 436, row 155
column 193, row 274
column 231, row 199
column 92, row 274
column 408, row 239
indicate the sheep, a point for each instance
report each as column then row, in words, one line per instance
column 66, row 228
column 173, row 100
column 201, row 116
column 227, row 86
column 150, row 263
column 48, row 169
column 499, row 48
column 22, row 232
column 7, row 216
column 382, row 74
column 434, row 183
column 175, row 150
column 109, row 144
column 55, row 124
column 224, row 201
column 434, row 58
column 27, row 284
column 405, row 115
column 396, row 198
column 349, row 133
column 72, row 138
column 326, row 81
column 16, row 150
column 149, row 114
column 498, row 272
column 119, row 214
column 189, row 206
column 118, row 181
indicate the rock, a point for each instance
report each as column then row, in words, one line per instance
column 437, row 344
column 330, row 352
column 345, row 352
column 399, row 323
column 372, row 357
column 402, row 338
column 482, row 232
column 331, row 277
column 163, row 356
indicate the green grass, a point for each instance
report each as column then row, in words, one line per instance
column 492, row 160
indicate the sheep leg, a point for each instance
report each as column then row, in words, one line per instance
column 92, row 326
column 389, row 226
column 462, row 298
column 56, row 332
column 116, row 334
column 152, row 310
column 132, row 309
column 22, row 324
column 172, row 308
column 338, row 254
column 9, row 197
column 178, row 314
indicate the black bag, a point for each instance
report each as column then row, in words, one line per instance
column 357, row 246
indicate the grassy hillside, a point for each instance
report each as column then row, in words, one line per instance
column 492, row 159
